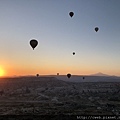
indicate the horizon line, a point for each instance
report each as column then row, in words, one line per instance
column 105, row 75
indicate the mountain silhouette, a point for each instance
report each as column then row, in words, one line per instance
column 99, row 74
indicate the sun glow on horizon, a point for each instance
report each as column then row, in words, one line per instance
column 2, row 72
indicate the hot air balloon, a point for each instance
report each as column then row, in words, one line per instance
column 68, row 75
column 96, row 29
column 37, row 75
column 71, row 14
column 73, row 53
column 33, row 43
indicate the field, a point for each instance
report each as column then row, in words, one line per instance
column 51, row 96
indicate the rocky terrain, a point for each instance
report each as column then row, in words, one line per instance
column 50, row 96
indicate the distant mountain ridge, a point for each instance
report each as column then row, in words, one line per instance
column 99, row 74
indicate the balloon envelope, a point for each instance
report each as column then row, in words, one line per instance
column 37, row 75
column 73, row 53
column 33, row 43
column 71, row 14
column 68, row 75
column 96, row 29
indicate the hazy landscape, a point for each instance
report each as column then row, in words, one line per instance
column 56, row 95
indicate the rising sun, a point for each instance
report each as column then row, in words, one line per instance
column 1, row 72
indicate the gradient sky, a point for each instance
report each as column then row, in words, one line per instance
column 58, row 34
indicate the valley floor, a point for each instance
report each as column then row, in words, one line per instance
column 49, row 96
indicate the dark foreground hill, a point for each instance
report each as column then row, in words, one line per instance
column 19, row 82
column 50, row 96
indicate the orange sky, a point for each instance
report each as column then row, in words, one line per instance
column 11, row 70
